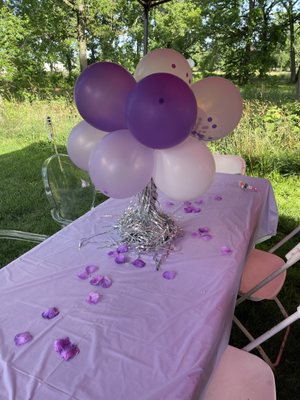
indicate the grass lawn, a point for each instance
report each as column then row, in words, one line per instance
column 268, row 137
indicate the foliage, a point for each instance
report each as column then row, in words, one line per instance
column 42, row 41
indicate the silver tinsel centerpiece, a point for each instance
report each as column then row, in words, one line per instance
column 146, row 229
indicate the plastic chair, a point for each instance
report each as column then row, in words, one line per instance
column 69, row 190
column 241, row 375
column 21, row 235
column 230, row 164
column 263, row 277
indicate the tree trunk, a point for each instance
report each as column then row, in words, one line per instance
column 81, row 36
column 292, row 47
column 298, row 84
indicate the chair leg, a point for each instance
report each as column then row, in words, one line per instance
column 286, row 334
column 251, row 338
column 259, row 348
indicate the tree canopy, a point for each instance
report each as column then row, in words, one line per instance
column 44, row 44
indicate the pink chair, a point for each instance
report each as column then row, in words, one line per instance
column 241, row 375
column 263, row 277
column 230, row 164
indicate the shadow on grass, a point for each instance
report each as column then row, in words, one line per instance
column 24, row 205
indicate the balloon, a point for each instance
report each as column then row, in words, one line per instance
column 101, row 92
column 161, row 111
column 220, row 107
column 184, row 172
column 164, row 60
column 81, row 142
column 120, row 166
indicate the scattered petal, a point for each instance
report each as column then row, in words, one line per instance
column 93, row 298
column 196, row 210
column 122, row 248
column 195, row 234
column 95, row 281
column 60, row 344
column 22, row 338
column 169, row 204
column 189, row 209
column 83, row 275
column 218, row 198
column 169, row 274
column 225, row 250
column 105, row 282
column 139, row 263
column 205, row 229
column 120, row 259
column 187, row 203
column 206, row 236
column 65, row 348
column 90, row 269
column 112, row 253
column 200, row 201
column 69, row 352
column 50, row 313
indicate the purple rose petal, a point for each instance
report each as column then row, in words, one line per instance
column 22, row 338
column 69, row 352
column 138, row 263
column 169, row 274
column 189, row 209
column 83, row 275
column 65, row 348
column 187, row 203
column 90, row 269
column 205, row 229
column 105, row 282
column 120, row 259
column 195, row 234
column 206, row 236
column 169, row 204
column 218, row 198
column 122, row 248
column 112, row 253
column 50, row 313
column 196, row 210
column 95, row 281
column 93, row 298
column 225, row 250
column 60, row 344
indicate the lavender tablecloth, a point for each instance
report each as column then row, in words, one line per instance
column 148, row 338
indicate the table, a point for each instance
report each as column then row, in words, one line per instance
column 148, row 338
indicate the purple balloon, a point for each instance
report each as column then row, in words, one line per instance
column 120, row 166
column 161, row 111
column 101, row 93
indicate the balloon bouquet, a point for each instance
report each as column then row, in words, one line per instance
column 150, row 128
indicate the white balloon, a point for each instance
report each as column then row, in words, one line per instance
column 81, row 142
column 164, row 60
column 220, row 107
column 185, row 171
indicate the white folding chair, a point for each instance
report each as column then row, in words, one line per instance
column 263, row 277
column 230, row 164
column 241, row 375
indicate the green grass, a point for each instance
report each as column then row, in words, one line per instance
column 268, row 137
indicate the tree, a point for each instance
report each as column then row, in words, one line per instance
column 292, row 8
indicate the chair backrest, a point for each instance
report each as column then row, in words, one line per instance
column 69, row 189
column 230, row 164
column 277, row 328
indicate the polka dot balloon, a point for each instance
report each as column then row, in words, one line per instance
column 164, row 60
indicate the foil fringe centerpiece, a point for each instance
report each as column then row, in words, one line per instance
column 145, row 228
